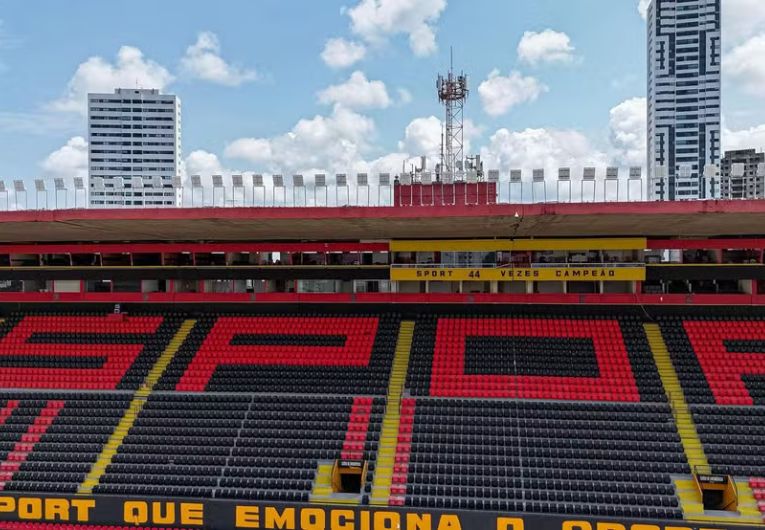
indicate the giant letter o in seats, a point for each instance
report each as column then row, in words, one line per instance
column 614, row 381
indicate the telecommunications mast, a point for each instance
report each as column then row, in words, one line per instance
column 452, row 93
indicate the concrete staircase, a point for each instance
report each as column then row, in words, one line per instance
column 386, row 453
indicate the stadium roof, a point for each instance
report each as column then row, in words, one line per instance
column 659, row 219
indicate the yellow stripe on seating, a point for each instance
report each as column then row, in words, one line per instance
column 128, row 419
column 386, row 451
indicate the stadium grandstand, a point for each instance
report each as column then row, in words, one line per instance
column 493, row 366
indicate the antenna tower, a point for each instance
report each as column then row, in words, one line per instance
column 452, row 93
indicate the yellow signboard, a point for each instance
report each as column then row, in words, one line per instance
column 541, row 274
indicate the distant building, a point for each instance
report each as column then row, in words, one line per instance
column 683, row 97
column 134, row 148
column 741, row 175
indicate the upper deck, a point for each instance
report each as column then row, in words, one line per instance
column 349, row 223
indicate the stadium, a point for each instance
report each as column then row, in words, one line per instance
column 438, row 367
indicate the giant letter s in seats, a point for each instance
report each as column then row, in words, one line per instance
column 727, row 352
column 72, row 352
column 578, row 359
column 290, row 342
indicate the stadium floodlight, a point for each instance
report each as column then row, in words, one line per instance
column 362, row 181
column 278, row 182
column 257, row 182
column 320, row 181
column 237, row 183
column 564, row 179
column 659, row 181
column 635, row 175
column 40, row 188
column 612, row 176
column 136, row 184
column 405, row 179
column 761, row 169
column 177, row 184
column 471, row 177
column 196, row 184
column 341, row 181
column 516, row 175
column 711, row 182
column 19, row 187
column 492, row 178
column 59, row 185
column 588, row 180
column 298, row 182
column 4, row 191
column 383, row 180
column 217, row 184
column 538, row 177
column 426, row 179
column 516, row 179
column 79, row 186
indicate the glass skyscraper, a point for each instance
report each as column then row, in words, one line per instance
column 683, row 98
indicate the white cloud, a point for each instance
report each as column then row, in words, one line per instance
column 201, row 162
column 357, row 93
column 643, row 8
column 334, row 143
column 70, row 160
column 98, row 75
column 547, row 46
column 423, row 137
column 752, row 138
column 541, row 148
column 547, row 149
column 741, row 19
column 342, row 53
column 203, row 61
column 628, row 131
column 404, row 96
column 377, row 20
column 745, row 64
column 501, row 93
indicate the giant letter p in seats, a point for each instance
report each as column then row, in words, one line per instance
column 237, row 346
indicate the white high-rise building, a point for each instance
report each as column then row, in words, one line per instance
column 134, row 148
column 683, row 98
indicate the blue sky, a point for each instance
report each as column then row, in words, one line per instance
column 248, row 72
